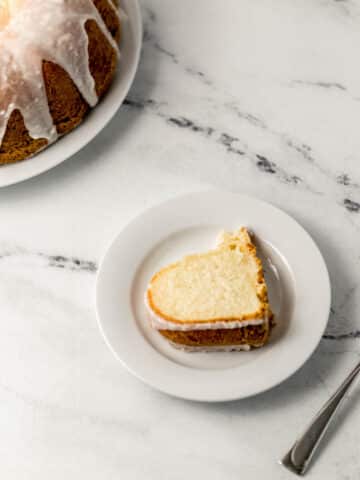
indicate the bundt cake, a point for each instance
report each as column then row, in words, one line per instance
column 58, row 58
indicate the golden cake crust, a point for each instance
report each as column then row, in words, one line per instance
column 251, row 335
column 67, row 106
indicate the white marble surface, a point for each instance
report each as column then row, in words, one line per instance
column 252, row 96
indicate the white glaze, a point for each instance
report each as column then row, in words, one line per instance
column 68, row 407
column 59, row 37
column 215, row 348
column 159, row 323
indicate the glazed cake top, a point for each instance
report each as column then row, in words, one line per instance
column 32, row 31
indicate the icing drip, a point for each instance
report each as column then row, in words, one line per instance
column 52, row 30
column 160, row 323
column 116, row 9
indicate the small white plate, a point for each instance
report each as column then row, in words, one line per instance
column 295, row 271
column 98, row 117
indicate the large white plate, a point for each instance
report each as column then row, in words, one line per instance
column 99, row 117
column 299, row 290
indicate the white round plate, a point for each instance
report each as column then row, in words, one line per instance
column 297, row 277
column 98, row 117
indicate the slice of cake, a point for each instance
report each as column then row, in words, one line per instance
column 213, row 301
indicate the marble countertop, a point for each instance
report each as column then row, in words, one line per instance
column 260, row 97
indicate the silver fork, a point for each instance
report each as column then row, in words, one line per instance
column 298, row 458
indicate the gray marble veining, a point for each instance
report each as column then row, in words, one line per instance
column 258, row 97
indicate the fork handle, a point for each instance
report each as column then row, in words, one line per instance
column 298, row 458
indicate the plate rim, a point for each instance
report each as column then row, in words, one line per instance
column 80, row 136
column 214, row 398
